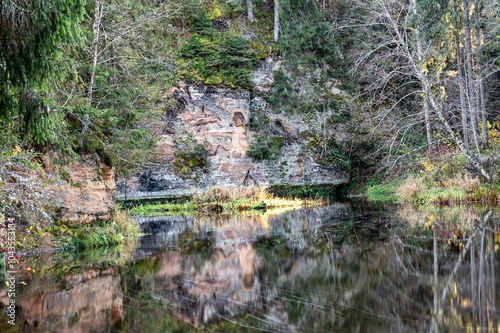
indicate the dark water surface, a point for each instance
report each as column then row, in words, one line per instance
column 347, row 267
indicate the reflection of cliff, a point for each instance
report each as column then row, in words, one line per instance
column 90, row 302
column 204, row 291
column 223, row 230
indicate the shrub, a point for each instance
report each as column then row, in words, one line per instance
column 190, row 156
column 227, row 194
column 327, row 152
column 22, row 194
column 265, row 148
column 466, row 183
column 216, row 57
column 215, row 194
column 410, row 189
column 245, row 192
column 126, row 225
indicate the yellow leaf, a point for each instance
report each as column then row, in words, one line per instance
column 24, row 283
column 7, row 283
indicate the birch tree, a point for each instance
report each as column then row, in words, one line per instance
column 470, row 75
column 96, row 25
column 480, row 102
column 420, row 65
column 410, row 43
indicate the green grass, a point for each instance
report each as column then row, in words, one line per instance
column 383, row 191
column 440, row 192
column 232, row 207
column 78, row 237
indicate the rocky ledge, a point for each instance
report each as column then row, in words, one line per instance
column 83, row 191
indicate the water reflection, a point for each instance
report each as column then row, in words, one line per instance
column 340, row 268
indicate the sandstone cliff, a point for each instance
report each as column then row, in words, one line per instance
column 222, row 117
column 83, row 191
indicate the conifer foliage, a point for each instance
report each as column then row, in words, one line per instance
column 31, row 34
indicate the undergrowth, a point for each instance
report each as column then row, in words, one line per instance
column 72, row 236
column 459, row 189
column 224, row 200
column 443, row 180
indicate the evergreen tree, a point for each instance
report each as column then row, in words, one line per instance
column 31, row 35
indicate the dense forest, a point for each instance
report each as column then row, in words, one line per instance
column 405, row 91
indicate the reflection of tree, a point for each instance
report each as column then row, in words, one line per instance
column 464, row 290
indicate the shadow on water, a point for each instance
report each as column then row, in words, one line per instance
column 354, row 267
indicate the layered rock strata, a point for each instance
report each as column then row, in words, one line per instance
column 221, row 117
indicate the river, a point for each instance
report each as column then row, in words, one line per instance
column 346, row 267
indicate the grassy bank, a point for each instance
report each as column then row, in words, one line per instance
column 446, row 178
column 418, row 188
column 59, row 235
column 221, row 200
column 459, row 189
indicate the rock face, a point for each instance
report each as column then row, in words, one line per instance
column 221, row 117
column 83, row 191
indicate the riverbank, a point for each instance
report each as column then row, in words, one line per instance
column 424, row 189
column 226, row 201
column 57, row 236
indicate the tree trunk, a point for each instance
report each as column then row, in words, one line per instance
column 428, row 127
column 479, row 81
column 420, row 66
column 95, row 40
column 250, row 10
column 427, row 90
column 276, row 21
column 465, row 127
column 470, row 75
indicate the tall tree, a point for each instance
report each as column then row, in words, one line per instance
column 96, row 28
column 480, row 102
column 122, row 73
column 31, row 35
column 470, row 75
column 420, row 64
column 395, row 15
column 461, row 83
column 456, row 28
